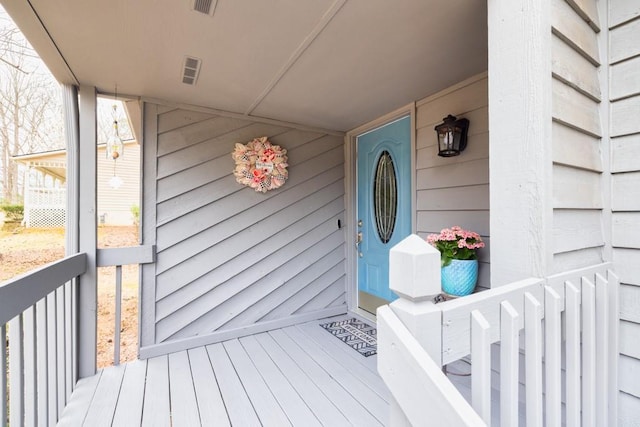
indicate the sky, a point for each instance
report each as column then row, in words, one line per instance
column 36, row 65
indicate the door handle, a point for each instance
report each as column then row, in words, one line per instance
column 358, row 239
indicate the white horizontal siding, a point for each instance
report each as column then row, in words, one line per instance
column 622, row 11
column 230, row 258
column 576, row 188
column 630, row 345
column 623, row 42
column 577, row 182
column 626, row 191
column 567, row 24
column 625, row 154
column 624, row 48
column 574, row 148
column 116, row 203
column 455, row 190
column 576, row 229
column 574, row 69
column 625, row 79
column 626, row 229
column 573, row 260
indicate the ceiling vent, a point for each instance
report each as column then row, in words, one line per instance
column 205, row 6
column 190, row 70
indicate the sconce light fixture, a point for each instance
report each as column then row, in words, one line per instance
column 452, row 136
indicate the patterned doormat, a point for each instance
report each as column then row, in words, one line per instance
column 356, row 334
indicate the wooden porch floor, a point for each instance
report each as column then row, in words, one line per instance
column 300, row 375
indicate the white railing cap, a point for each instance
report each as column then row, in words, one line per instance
column 414, row 269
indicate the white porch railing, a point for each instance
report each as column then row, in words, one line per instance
column 554, row 362
column 38, row 320
column 118, row 257
column 45, row 207
column 38, row 311
column 42, row 197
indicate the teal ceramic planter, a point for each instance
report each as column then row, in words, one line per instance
column 460, row 277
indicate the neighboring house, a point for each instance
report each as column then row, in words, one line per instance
column 550, row 176
column 45, row 196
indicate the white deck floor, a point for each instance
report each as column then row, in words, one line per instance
column 300, row 375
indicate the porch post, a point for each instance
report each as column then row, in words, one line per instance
column 414, row 274
column 520, row 163
column 87, row 233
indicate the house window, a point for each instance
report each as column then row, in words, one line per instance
column 385, row 197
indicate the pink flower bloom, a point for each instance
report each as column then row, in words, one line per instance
column 456, row 243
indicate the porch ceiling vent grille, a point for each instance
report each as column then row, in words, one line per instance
column 190, row 70
column 205, row 6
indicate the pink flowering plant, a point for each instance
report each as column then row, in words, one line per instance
column 455, row 243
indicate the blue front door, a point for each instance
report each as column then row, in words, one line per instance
column 384, row 204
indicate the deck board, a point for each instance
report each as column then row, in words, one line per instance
column 76, row 410
column 156, row 410
column 103, row 405
column 353, row 410
column 129, row 409
column 184, row 406
column 325, row 411
column 239, row 407
column 265, row 404
column 210, row 403
column 363, row 367
column 290, row 401
column 300, row 376
column 344, row 376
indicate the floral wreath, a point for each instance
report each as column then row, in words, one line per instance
column 260, row 165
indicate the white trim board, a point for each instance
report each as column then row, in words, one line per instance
column 216, row 337
column 350, row 157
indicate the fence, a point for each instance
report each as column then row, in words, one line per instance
column 38, row 311
column 39, row 321
column 45, row 207
column 550, row 347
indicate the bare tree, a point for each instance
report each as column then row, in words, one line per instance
column 30, row 110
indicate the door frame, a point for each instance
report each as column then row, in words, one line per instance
column 351, row 200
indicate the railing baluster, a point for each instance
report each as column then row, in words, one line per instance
column 118, row 316
column 16, row 366
column 552, row 357
column 108, row 257
column 508, row 365
column 30, row 408
column 60, row 345
column 52, row 360
column 74, row 332
column 602, row 359
column 588, row 353
column 3, row 374
column 572, row 317
column 614, row 345
column 41, row 361
column 481, row 366
column 39, row 337
column 68, row 340
column 533, row 359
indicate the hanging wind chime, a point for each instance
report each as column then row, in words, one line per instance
column 115, row 149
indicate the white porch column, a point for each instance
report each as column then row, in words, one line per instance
column 87, row 227
column 414, row 274
column 520, row 159
column 71, row 130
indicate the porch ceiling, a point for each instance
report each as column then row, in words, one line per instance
column 328, row 63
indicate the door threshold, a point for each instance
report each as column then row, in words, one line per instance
column 368, row 303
